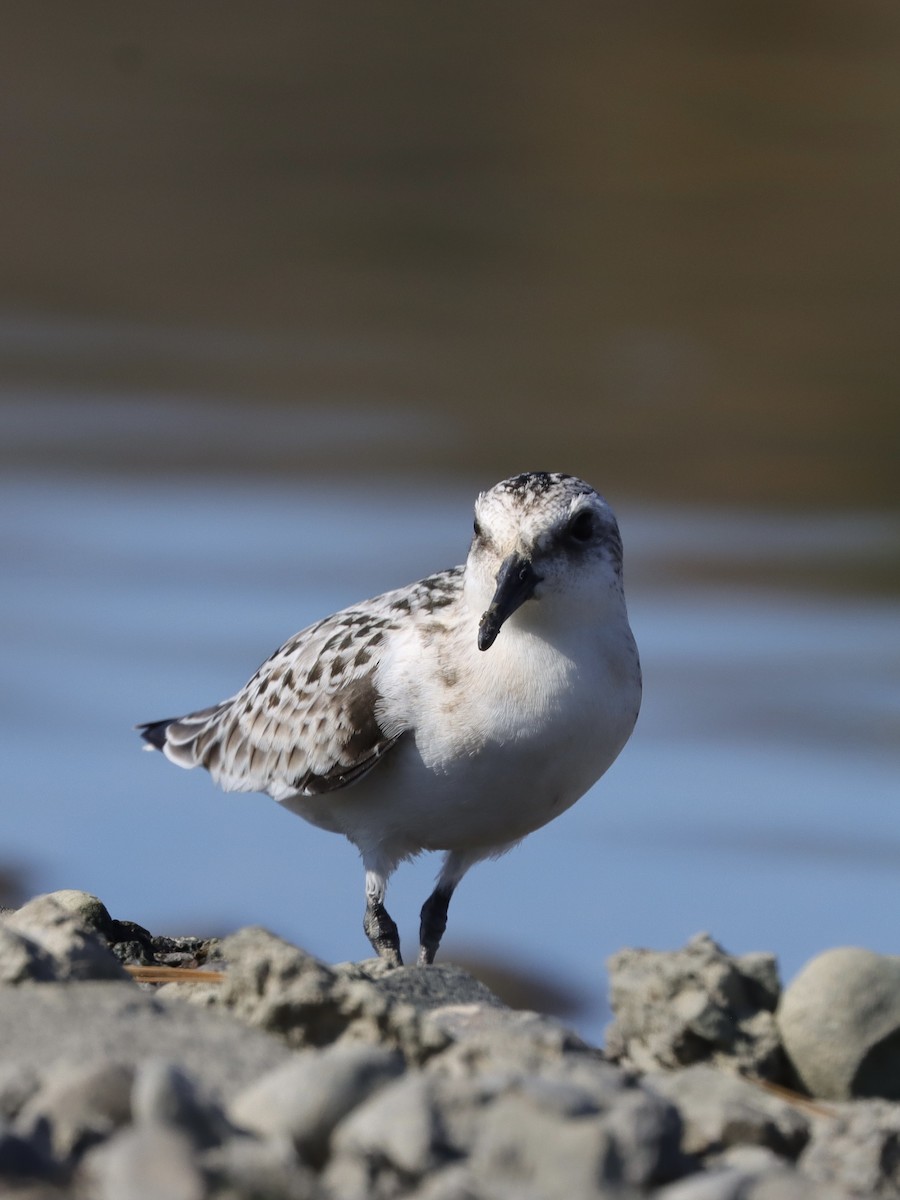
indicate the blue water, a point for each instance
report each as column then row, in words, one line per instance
column 758, row 798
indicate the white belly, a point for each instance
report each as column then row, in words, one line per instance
column 491, row 760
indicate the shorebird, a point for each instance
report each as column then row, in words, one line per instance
column 459, row 713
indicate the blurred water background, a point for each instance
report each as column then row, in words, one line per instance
column 282, row 287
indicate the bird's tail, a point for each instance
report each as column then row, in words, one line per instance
column 181, row 738
column 154, row 733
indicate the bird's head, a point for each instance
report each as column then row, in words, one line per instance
column 542, row 541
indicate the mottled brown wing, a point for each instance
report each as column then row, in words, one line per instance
column 306, row 722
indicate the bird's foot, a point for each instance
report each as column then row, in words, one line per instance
column 383, row 934
column 433, row 922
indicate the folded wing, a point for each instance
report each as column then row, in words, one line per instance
column 307, row 722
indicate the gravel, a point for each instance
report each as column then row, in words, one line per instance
column 289, row 1079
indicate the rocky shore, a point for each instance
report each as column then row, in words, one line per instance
column 268, row 1075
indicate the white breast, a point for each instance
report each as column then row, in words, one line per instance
column 502, row 743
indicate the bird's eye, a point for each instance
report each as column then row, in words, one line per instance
column 581, row 527
column 477, row 528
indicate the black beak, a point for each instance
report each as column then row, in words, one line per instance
column 516, row 581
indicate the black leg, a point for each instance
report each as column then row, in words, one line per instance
column 433, row 922
column 382, row 933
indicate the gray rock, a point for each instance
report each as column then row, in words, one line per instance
column 751, row 1179
column 791, row 1185
column 18, row 1082
column 198, row 995
column 552, row 1133
column 505, row 1043
column 455, row 1182
column 58, row 929
column 858, row 1150
column 840, row 1023
column 473, row 1073
column 305, row 1098
column 22, row 959
column 646, row 1134
column 483, row 1023
column 696, row 1004
column 751, row 1173
column 75, row 1107
column 562, row 1096
column 145, row 1162
column 348, row 1178
column 389, row 1143
column 720, row 1183
column 753, row 1160
column 277, row 987
column 397, row 1128
column 528, row 1148
column 128, row 941
column 165, row 951
column 88, row 911
column 162, row 1094
column 727, row 1183
column 761, row 969
column 720, row 1109
column 41, row 1026
column 440, row 985
column 464, row 1101
column 246, row 1168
